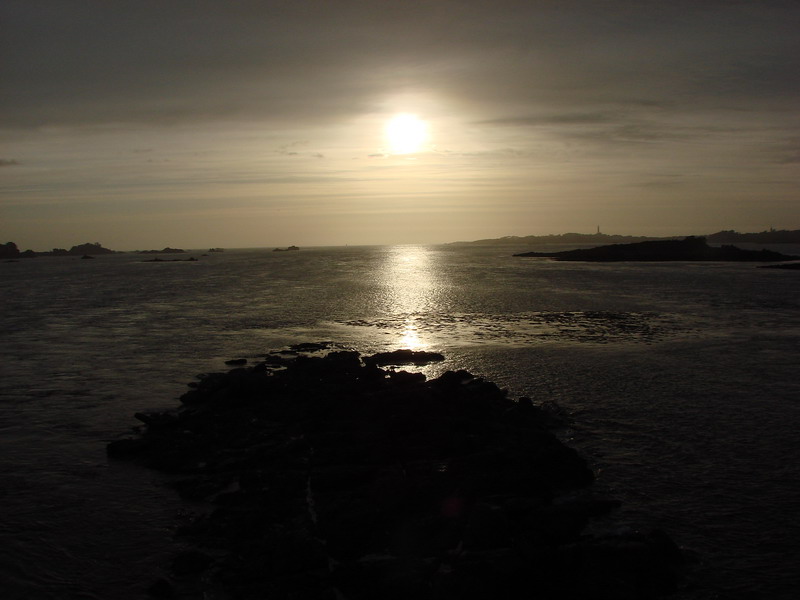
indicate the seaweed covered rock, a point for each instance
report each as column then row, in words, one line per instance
column 328, row 477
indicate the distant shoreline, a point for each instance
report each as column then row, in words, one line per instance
column 772, row 236
column 688, row 249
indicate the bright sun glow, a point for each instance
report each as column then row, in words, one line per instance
column 406, row 134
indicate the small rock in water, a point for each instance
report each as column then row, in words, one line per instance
column 403, row 357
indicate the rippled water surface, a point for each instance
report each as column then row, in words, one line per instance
column 681, row 379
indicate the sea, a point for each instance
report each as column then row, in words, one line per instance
column 679, row 381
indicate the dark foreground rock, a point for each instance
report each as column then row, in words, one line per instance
column 329, row 477
column 689, row 249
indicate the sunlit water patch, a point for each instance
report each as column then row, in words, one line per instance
column 599, row 327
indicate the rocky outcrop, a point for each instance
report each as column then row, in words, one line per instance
column 329, row 477
column 87, row 249
column 689, row 249
column 403, row 357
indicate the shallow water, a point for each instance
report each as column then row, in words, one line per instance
column 680, row 377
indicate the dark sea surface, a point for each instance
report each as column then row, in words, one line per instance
column 681, row 380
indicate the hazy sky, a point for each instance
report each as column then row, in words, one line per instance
column 142, row 124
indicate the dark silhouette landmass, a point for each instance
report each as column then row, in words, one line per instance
column 87, row 249
column 327, row 476
column 289, row 249
column 689, row 249
column 772, row 236
column 578, row 239
column 10, row 250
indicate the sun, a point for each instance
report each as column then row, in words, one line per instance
column 406, row 133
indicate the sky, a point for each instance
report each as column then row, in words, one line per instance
column 143, row 124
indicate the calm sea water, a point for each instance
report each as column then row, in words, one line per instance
column 681, row 379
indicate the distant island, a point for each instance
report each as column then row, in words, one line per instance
column 691, row 248
column 289, row 249
column 10, row 250
column 772, row 236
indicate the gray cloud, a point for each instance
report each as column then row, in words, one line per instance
column 174, row 62
column 298, row 149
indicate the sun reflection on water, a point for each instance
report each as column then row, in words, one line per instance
column 411, row 288
column 410, row 338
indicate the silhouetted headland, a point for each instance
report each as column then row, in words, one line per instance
column 772, row 236
column 689, row 249
column 289, row 249
column 327, row 476
column 577, row 239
